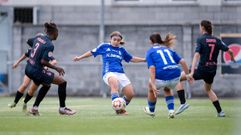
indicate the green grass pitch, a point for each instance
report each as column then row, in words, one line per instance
column 96, row 117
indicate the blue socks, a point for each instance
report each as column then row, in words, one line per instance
column 151, row 105
column 170, row 102
column 114, row 95
column 127, row 101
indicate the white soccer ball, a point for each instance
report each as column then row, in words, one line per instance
column 118, row 104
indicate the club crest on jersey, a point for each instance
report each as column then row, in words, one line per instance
column 50, row 54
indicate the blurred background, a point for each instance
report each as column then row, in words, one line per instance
column 83, row 24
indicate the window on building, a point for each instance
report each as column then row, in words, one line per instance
column 23, row 15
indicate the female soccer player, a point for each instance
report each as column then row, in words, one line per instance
column 164, row 72
column 113, row 74
column 25, row 84
column 40, row 56
column 207, row 50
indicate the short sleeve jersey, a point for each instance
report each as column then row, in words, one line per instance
column 208, row 47
column 112, row 57
column 42, row 48
column 165, row 62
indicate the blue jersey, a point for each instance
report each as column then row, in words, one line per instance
column 165, row 61
column 42, row 48
column 111, row 57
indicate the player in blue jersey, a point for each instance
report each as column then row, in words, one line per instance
column 164, row 72
column 40, row 56
column 207, row 51
column 112, row 70
column 26, row 82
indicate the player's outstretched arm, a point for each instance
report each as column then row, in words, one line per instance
column 15, row 65
column 194, row 61
column 138, row 59
column 85, row 55
column 231, row 55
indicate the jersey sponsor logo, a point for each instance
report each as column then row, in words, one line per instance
column 113, row 56
column 236, row 48
column 170, row 67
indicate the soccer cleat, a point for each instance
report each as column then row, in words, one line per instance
column 12, row 105
column 66, row 111
column 182, row 108
column 171, row 114
column 121, row 112
column 34, row 111
column 148, row 112
column 221, row 114
column 24, row 107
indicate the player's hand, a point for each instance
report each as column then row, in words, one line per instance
column 60, row 70
column 76, row 58
column 154, row 89
column 15, row 65
column 53, row 62
column 46, row 68
column 189, row 78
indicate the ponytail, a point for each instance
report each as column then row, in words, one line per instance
column 156, row 38
column 169, row 40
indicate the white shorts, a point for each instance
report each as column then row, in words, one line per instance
column 122, row 78
column 171, row 84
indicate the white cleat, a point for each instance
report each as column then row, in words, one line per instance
column 12, row 105
column 66, row 111
column 182, row 108
column 148, row 112
column 171, row 114
column 221, row 114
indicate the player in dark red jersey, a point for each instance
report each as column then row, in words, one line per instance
column 40, row 56
column 207, row 51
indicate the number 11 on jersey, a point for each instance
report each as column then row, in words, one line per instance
column 164, row 57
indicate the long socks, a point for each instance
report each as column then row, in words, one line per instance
column 41, row 94
column 62, row 94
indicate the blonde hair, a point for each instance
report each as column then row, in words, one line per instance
column 170, row 40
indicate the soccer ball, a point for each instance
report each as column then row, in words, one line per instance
column 118, row 104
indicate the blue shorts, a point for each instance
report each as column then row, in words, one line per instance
column 39, row 76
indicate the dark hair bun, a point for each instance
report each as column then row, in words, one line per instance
column 50, row 27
